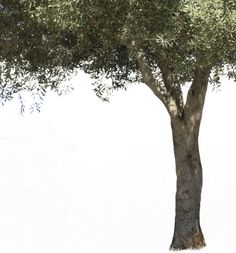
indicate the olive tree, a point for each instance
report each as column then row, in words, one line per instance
column 165, row 45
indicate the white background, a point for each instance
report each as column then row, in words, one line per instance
column 93, row 177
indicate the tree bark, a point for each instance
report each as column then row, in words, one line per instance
column 187, row 231
column 185, row 122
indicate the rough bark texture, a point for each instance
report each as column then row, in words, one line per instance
column 185, row 122
column 187, row 233
column 185, row 129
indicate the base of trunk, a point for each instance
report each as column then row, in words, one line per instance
column 192, row 241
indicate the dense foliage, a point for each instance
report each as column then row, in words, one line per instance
column 44, row 41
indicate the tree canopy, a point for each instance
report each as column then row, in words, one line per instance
column 42, row 42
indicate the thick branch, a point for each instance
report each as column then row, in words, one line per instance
column 171, row 82
column 155, row 86
column 161, row 92
column 196, row 95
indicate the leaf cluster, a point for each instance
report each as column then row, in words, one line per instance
column 48, row 40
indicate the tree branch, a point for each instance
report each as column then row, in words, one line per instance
column 171, row 82
column 155, row 86
column 196, row 94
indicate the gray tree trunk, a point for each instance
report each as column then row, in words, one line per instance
column 187, row 232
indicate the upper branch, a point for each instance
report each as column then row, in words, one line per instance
column 196, row 94
column 171, row 81
column 161, row 92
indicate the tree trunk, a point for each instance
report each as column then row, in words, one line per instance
column 187, row 232
column 185, row 121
